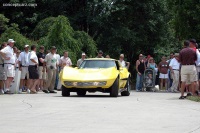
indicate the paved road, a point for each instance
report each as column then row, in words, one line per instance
column 141, row 112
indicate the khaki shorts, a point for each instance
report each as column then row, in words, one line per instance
column 42, row 75
column 10, row 70
column 188, row 73
column 24, row 73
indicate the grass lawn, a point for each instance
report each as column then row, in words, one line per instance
column 194, row 98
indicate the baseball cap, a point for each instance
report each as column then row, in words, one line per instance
column 53, row 47
column 100, row 52
column 176, row 54
column 83, row 53
column 26, row 46
column 11, row 40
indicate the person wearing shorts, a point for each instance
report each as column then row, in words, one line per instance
column 33, row 71
column 163, row 69
column 42, row 75
column 9, row 64
column 23, row 67
column 187, row 58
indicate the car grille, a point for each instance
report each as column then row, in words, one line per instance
column 85, row 84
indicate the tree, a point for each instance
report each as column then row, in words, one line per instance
column 42, row 28
column 19, row 38
column 65, row 38
column 3, row 23
column 87, row 44
column 186, row 19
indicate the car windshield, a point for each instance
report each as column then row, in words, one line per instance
column 97, row 64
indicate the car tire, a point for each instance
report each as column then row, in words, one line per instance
column 127, row 93
column 81, row 93
column 65, row 91
column 115, row 88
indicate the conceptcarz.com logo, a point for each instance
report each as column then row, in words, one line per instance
column 20, row 4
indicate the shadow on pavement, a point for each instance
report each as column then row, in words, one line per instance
column 89, row 96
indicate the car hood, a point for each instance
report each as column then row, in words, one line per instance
column 71, row 74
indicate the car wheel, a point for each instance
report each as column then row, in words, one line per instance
column 81, row 93
column 115, row 88
column 65, row 91
column 128, row 87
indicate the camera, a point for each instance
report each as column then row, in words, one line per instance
column 51, row 67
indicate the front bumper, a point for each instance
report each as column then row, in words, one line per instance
column 89, row 84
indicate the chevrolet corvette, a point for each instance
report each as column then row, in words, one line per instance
column 96, row 74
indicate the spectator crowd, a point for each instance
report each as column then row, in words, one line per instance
column 179, row 73
column 40, row 70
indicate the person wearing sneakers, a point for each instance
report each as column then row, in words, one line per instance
column 140, row 68
column 174, row 66
column 2, row 71
column 9, row 64
column 187, row 58
column 42, row 75
column 50, row 64
column 33, row 71
column 23, row 67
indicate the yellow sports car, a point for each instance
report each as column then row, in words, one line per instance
column 96, row 74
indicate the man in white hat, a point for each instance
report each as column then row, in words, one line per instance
column 9, row 64
column 23, row 67
column 81, row 60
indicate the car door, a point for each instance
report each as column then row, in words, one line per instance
column 122, row 75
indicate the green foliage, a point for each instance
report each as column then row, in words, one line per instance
column 155, row 27
column 65, row 38
column 61, row 36
column 3, row 23
column 186, row 19
column 194, row 98
column 19, row 38
column 43, row 27
column 86, row 43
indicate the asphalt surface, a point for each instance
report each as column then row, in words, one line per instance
column 141, row 112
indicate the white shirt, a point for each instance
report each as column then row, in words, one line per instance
column 17, row 61
column 123, row 63
column 67, row 61
column 24, row 58
column 34, row 57
column 79, row 62
column 51, row 60
column 58, row 58
column 174, row 64
column 10, row 54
